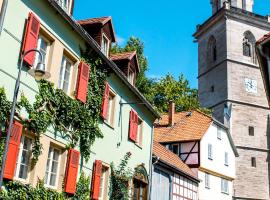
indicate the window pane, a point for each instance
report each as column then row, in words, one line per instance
column 52, row 180
column 46, row 178
column 60, row 83
column 23, row 160
column 67, row 76
column 23, row 172
column 54, row 167
column 56, row 155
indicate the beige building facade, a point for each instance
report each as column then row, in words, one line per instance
column 231, row 84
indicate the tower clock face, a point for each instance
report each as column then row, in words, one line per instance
column 251, row 85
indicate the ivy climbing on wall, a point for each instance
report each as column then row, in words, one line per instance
column 120, row 179
column 19, row 191
column 67, row 117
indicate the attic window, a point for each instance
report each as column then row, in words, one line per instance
column 131, row 76
column 105, row 45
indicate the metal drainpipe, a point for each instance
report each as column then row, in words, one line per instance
column 151, row 165
column 2, row 14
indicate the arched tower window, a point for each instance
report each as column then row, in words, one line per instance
column 249, row 46
column 212, row 50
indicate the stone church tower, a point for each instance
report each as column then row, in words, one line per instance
column 230, row 83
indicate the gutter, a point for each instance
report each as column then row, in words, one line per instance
column 92, row 43
column 3, row 14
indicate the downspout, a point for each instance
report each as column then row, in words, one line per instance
column 151, row 165
column 2, row 14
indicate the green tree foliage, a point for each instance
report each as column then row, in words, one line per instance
column 160, row 91
column 179, row 91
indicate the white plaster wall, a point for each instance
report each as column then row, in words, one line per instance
column 214, row 192
column 217, row 164
column 219, row 148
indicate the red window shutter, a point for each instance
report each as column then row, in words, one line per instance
column 72, row 171
column 136, row 121
column 133, row 125
column 13, row 150
column 97, row 173
column 82, row 84
column 31, row 38
column 105, row 102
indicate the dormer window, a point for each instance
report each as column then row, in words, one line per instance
column 105, row 45
column 128, row 63
column 131, row 76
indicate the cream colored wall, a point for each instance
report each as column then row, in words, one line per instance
column 1, row 2
column 53, row 64
column 38, row 172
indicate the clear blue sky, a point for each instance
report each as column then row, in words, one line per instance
column 165, row 27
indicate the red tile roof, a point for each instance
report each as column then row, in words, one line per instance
column 171, row 159
column 265, row 37
column 186, row 128
column 97, row 20
column 122, row 56
column 126, row 56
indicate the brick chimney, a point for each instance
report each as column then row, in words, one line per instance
column 171, row 113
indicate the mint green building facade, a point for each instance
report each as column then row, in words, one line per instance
column 66, row 37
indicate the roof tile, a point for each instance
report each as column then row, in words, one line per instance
column 123, row 55
column 187, row 127
column 97, row 20
column 170, row 158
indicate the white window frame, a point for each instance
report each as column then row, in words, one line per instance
column 207, row 180
column 140, row 132
column 219, row 133
column 19, row 158
column 104, row 184
column 111, row 109
column 226, row 159
column 131, row 76
column 103, row 49
column 224, row 186
column 50, row 165
column 37, row 56
column 62, row 76
column 210, row 151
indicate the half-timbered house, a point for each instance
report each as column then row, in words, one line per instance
column 205, row 145
column 172, row 178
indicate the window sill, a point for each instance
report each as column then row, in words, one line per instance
column 51, row 187
column 24, row 181
column 107, row 124
column 139, row 146
column 227, row 193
